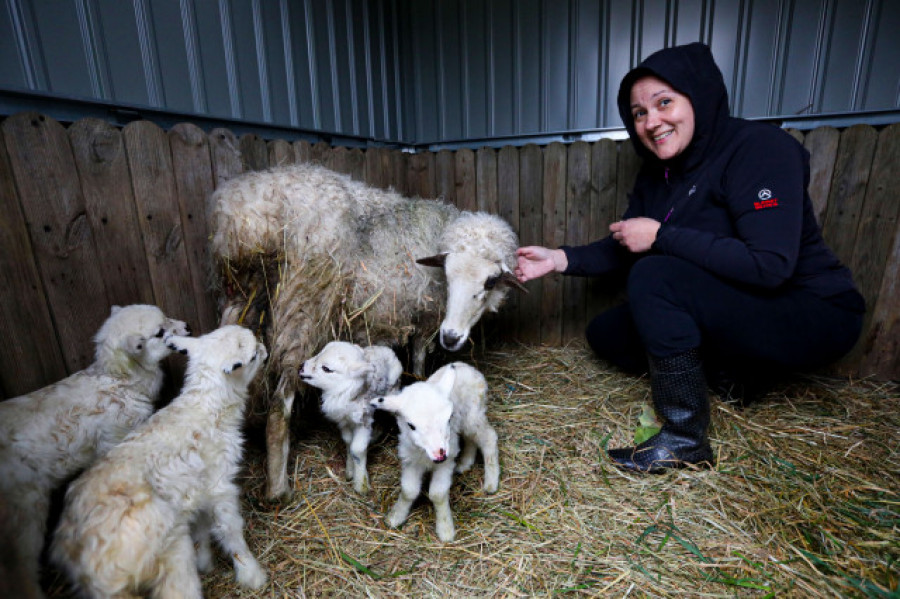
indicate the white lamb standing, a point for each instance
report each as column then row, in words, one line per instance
column 431, row 415
column 349, row 376
column 130, row 523
column 310, row 255
column 51, row 434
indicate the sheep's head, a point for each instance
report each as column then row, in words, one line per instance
column 136, row 333
column 474, row 286
column 340, row 366
column 423, row 412
column 231, row 349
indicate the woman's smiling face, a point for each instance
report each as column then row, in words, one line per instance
column 663, row 117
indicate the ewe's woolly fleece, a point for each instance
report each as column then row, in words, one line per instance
column 349, row 246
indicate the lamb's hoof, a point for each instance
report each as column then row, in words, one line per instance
column 362, row 488
column 445, row 532
column 491, row 487
column 251, row 575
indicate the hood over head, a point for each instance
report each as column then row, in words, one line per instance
column 692, row 71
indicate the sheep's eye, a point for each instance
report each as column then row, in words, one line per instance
column 412, row 427
column 160, row 333
column 326, row 369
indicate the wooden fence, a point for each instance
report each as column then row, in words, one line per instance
column 94, row 215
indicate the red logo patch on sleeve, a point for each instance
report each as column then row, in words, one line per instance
column 765, row 200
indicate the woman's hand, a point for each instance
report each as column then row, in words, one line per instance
column 636, row 234
column 533, row 262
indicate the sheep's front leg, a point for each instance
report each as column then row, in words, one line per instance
column 278, row 440
column 439, row 494
column 347, row 436
column 200, row 531
column 179, row 578
column 410, row 485
column 228, row 527
column 359, row 448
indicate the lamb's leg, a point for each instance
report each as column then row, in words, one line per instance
column 410, row 485
column 179, row 568
column 359, row 447
column 347, row 436
column 278, row 440
column 439, row 494
column 467, row 457
column 30, row 517
column 228, row 527
column 200, row 531
column 486, row 437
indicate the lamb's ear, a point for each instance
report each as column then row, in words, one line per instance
column 388, row 403
column 436, row 260
column 444, row 379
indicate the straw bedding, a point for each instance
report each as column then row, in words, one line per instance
column 805, row 500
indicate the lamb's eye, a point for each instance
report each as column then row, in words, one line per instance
column 326, row 369
column 160, row 333
column 412, row 427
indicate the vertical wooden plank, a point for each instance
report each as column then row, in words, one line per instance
column 30, row 356
column 302, row 151
column 627, row 166
column 356, row 164
column 848, row 189
column 421, row 175
column 464, row 171
column 554, row 235
column 531, row 227
column 879, row 215
column 280, row 153
column 796, row 134
column 225, row 152
column 254, row 153
column 155, row 195
column 882, row 358
column 375, row 175
column 577, row 215
column 194, row 184
column 508, row 209
column 486, row 180
column 399, row 171
column 600, row 296
column 822, row 144
column 44, row 172
column 337, row 160
column 445, row 176
column 319, row 153
column 108, row 197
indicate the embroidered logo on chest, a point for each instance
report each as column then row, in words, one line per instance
column 765, row 200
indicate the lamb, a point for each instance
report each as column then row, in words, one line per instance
column 432, row 414
column 51, row 434
column 308, row 256
column 349, row 376
column 130, row 523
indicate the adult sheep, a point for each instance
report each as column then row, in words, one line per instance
column 308, row 255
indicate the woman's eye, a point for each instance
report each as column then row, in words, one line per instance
column 665, row 102
column 638, row 114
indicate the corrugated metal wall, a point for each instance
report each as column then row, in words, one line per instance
column 431, row 72
column 487, row 69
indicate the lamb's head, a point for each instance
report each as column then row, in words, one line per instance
column 424, row 412
column 385, row 376
column 340, row 367
column 475, row 285
column 137, row 333
column 231, row 349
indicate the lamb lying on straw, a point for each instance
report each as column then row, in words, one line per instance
column 309, row 255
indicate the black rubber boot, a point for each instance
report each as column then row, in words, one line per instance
column 681, row 399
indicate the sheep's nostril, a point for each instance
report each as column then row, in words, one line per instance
column 441, row 456
column 450, row 339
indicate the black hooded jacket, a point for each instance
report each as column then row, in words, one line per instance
column 736, row 198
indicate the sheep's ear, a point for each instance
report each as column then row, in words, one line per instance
column 436, row 260
column 444, row 380
column 509, row 279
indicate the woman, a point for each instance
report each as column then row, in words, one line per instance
column 723, row 254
